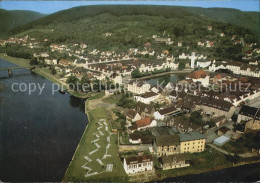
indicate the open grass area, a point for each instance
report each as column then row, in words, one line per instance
column 112, row 99
column 22, row 34
column 236, row 147
column 208, row 160
column 76, row 173
column 18, row 61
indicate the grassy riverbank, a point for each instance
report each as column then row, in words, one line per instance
column 75, row 172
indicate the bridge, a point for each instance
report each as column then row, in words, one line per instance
column 10, row 69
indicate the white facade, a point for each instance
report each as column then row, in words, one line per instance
column 203, row 64
column 134, row 88
column 203, row 81
column 118, row 79
column 192, row 62
column 158, row 116
column 235, row 69
column 135, row 167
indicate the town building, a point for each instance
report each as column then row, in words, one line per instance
column 192, row 142
column 138, row 87
column 138, row 164
column 174, row 161
column 147, row 98
column 132, row 116
column 199, row 76
column 167, row 145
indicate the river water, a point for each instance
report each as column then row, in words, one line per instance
column 165, row 79
column 38, row 133
column 245, row 173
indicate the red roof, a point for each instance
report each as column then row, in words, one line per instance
column 197, row 74
column 218, row 76
column 147, row 44
column 143, row 122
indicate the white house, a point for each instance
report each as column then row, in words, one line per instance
column 158, row 116
column 116, row 78
column 145, row 123
column 132, row 116
column 147, row 98
column 135, row 139
column 138, row 164
column 199, row 76
column 138, row 87
column 203, row 63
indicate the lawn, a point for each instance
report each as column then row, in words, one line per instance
column 18, row 61
column 208, row 160
column 236, row 147
column 112, row 99
column 76, row 173
column 22, row 34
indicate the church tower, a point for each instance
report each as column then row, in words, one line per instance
column 192, row 62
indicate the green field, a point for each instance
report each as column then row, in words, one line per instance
column 22, row 34
column 76, row 173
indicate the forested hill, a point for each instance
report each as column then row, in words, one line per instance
column 249, row 20
column 12, row 19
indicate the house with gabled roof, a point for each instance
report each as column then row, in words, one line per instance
column 199, row 76
column 138, row 164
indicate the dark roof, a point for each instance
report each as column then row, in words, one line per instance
column 138, row 159
column 149, row 94
column 131, row 113
column 167, row 140
column 248, row 111
column 167, row 110
column 141, row 107
column 134, row 136
column 191, row 136
column 217, row 119
column 224, row 129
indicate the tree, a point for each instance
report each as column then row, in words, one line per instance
column 136, row 73
column 181, row 66
column 85, row 83
column 53, row 71
column 196, row 117
column 34, row 61
column 72, row 81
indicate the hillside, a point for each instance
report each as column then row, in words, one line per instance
column 250, row 20
column 133, row 26
column 236, row 17
column 12, row 19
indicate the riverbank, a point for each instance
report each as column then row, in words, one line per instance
column 208, row 161
column 97, row 150
column 44, row 72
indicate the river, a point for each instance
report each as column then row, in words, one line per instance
column 165, row 79
column 38, row 133
column 244, row 173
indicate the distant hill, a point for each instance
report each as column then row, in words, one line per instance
column 250, row 20
column 12, row 19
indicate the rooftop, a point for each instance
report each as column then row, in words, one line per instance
column 166, row 140
column 191, row 136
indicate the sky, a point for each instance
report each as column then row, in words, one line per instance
column 48, row 7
